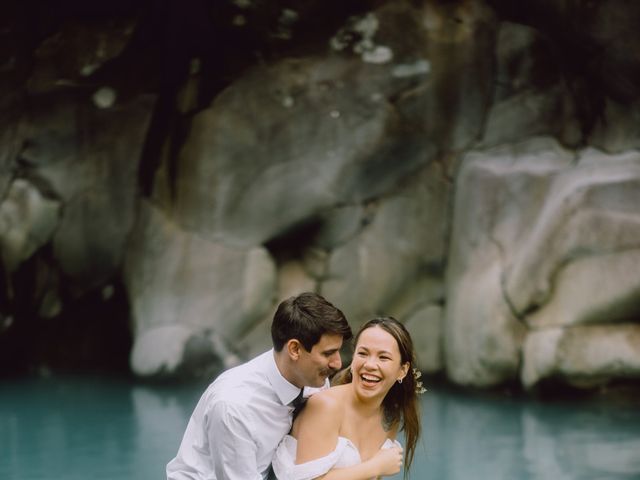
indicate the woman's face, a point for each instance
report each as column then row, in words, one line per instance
column 376, row 363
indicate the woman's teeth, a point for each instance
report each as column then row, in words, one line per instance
column 369, row 379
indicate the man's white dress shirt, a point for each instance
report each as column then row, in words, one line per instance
column 237, row 425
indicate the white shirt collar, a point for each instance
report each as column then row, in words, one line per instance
column 308, row 391
column 285, row 390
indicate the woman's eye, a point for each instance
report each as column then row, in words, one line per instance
column 362, row 354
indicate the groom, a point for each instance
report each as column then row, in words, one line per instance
column 242, row 416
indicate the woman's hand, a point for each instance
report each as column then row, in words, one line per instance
column 388, row 461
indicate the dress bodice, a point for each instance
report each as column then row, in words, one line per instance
column 345, row 454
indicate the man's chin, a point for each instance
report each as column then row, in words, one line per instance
column 321, row 381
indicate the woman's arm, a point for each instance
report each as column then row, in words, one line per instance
column 385, row 462
column 317, row 429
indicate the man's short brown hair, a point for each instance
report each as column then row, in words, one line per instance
column 306, row 317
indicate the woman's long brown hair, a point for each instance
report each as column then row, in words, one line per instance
column 400, row 404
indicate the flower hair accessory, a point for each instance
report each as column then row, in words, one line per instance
column 419, row 388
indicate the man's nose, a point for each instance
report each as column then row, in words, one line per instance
column 336, row 362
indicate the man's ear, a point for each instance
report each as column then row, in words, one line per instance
column 293, row 348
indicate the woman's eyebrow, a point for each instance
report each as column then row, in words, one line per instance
column 379, row 352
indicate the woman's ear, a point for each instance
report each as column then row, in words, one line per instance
column 404, row 369
column 293, row 347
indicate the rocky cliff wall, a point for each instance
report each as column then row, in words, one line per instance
column 465, row 166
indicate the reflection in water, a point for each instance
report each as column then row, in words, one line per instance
column 502, row 438
column 75, row 428
column 161, row 417
column 588, row 442
column 58, row 429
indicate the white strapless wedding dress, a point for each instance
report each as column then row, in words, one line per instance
column 345, row 455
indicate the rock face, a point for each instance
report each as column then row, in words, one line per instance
column 543, row 239
column 585, row 356
column 28, row 220
column 463, row 166
column 180, row 284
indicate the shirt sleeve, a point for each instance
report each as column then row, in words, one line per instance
column 233, row 448
column 189, row 463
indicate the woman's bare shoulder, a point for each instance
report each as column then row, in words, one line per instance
column 323, row 412
column 328, row 404
column 331, row 399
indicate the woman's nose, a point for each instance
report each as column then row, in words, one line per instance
column 369, row 363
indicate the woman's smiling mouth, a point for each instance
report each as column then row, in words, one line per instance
column 368, row 379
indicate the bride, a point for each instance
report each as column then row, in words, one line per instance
column 349, row 431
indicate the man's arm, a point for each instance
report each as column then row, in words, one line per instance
column 233, row 449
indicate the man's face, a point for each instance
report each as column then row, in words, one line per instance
column 322, row 361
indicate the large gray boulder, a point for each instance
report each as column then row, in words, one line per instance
column 588, row 210
column 330, row 155
column 190, row 297
column 395, row 264
column 582, row 356
column 542, row 238
column 290, row 140
column 70, row 152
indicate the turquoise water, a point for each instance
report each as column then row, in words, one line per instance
column 110, row 428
